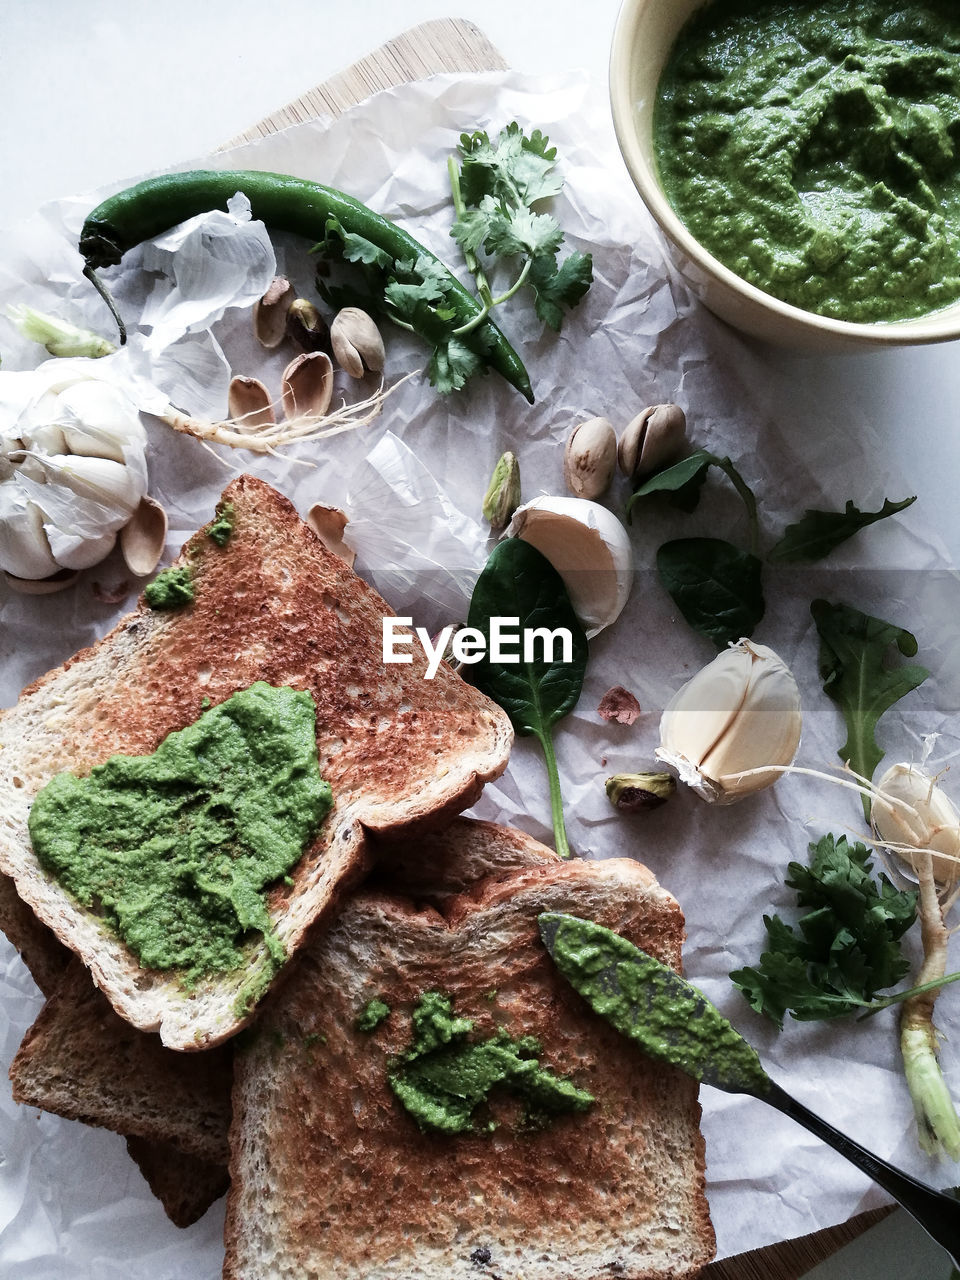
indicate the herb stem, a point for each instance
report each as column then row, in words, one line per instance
column 556, row 797
column 470, row 258
column 495, row 302
column 749, row 501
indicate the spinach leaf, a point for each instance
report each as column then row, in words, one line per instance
column 715, row 586
column 854, row 648
column 683, row 481
column 819, row 532
column 846, row 947
column 518, row 582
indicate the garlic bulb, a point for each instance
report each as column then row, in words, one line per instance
column 588, row 547
column 741, row 712
column 72, row 472
column 910, row 809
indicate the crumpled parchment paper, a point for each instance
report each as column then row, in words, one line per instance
column 71, row 1203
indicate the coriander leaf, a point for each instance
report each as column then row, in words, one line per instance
column 518, row 582
column 855, row 649
column 353, row 247
column 524, row 232
column 715, row 586
column 451, row 364
column 819, row 532
column 558, row 287
column 843, row 951
column 514, row 166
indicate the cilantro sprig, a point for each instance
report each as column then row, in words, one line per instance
column 494, row 191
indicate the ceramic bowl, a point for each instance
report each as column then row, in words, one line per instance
column 644, row 34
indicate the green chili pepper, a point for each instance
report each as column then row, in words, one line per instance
column 289, row 204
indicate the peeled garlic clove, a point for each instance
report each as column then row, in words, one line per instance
column 143, row 537
column 307, row 386
column 270, row 313
column 588, row 547
column 910, row 809
column 653, row 439
column 356, row 341
column 742, row 711
column 248, row 401
column 328, row 523
column 41, row 586
column 590, row 458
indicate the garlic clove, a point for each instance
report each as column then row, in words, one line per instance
column 740, row 712
column 99, row 480
column 910, row 809
column 306, row 388
column 270, row 313
column 41, row 586
column 249, row 402
column 74, row 551
column 356, row 342
column 143, row 537
column 24, row 546
column 328, row 523
column 590, row 458
column 98, row 421
column 589, row 548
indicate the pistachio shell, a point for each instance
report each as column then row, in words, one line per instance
column 590, row 458
column 356, row 342
column 248, row 401
column 328, row 523
column 307, row 385
column 652, row 440
column 41, row 586
column 270, row 313
column 143, row 538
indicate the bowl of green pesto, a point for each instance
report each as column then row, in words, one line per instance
column 802, row 158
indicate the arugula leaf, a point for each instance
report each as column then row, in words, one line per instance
column 843, row 951
column 518, row 582
column 715, row 586
column 856, row 674
column 819, row 532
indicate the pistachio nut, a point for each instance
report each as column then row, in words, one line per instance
column 270, row 313
column 652, row 440
column 356, row 342
column 740, row 713
column 307, row 327
column 639, row 792
column 503, row 495
column 910, row 812
column 590, row 458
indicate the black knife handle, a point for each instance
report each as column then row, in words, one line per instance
column 936, row 1212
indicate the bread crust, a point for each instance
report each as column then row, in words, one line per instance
column 399, row 751
column 331, row 1177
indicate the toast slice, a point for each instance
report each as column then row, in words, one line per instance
column 184, row 1185
column 331, row 1176
column 400, row 752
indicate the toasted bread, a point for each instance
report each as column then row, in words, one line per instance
column 184, row 1185
column 400, row 752
column 330, row 1175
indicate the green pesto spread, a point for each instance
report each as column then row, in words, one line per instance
column 371, row 1015
column 171, row 589
column 176, row 849
column 811, row 146
column 645, row 1000
column 222, row 527
column 443, row 1077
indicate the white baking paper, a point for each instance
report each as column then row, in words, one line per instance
column 71, row 1203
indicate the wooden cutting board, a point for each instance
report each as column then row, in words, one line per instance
column 450, row 44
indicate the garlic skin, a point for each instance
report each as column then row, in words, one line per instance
column 588, row 547
column 72, row 472
column 925, row 819
column 740, row 712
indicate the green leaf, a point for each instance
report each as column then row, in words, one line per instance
column 682, row 483
column 558, row 287
column 858, row 674
column 514, row 166
column 524, row 232
column 819, row 532
column 843, row 951
column 715, row 586
column 518, row 582
column 451, row 364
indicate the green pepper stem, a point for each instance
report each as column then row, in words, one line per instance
column 104, row 293
column 556, row 797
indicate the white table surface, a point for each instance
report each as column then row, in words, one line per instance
column 98, row 91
